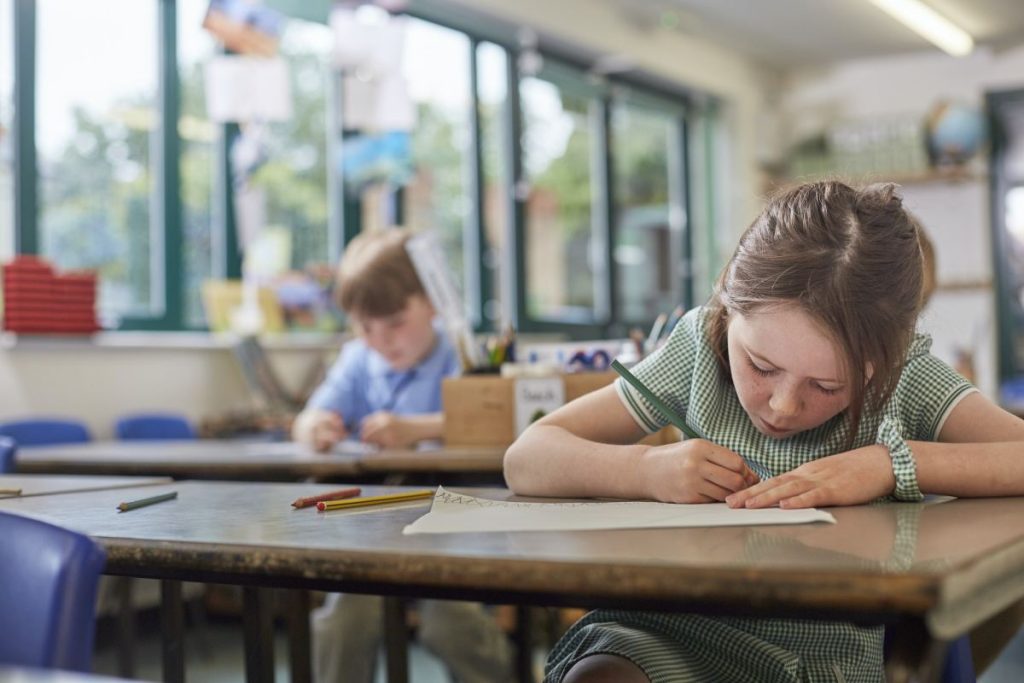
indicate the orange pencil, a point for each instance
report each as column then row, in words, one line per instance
column 332, row 495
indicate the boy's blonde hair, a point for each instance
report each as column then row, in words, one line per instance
column 852, row 260
column 376, row 277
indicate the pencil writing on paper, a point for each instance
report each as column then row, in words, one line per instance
column 330, row 495
column 667, row 412
column 143, row 502
column 10, row 492
column 374, row 500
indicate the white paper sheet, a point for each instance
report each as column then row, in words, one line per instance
column 454, row 512
column 245, row 89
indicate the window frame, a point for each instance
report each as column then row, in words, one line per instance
column 344, row 212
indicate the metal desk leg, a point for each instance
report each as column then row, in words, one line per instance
column 913, row 654
column 259, row 635
column 299, row 651
column 524, row 641
column 125, row 626
column 172, row 628
column 396, row 642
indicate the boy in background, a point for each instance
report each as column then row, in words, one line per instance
column 385, row 388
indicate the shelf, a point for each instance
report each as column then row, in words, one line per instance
column 951, row 176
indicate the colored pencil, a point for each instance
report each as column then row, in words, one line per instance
column 143, row 502
column 655, row 401
column 331, row 495
column 374, row 500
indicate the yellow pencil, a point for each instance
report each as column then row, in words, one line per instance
column 373, row 500
column 10, row 492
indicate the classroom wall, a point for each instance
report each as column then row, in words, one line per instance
column 955, row 214
column 97, row 382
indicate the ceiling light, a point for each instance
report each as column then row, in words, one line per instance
column 929, row 24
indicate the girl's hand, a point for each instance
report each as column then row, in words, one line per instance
column 849, row 478
column 387, row 430
column 694, row 471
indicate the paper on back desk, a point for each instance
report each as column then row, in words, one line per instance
column 454, row 512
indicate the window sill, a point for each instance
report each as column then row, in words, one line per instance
column 176, row 341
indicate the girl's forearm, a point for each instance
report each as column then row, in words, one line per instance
column 548, row 460
column 970, row 469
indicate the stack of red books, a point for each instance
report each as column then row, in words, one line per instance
column 38, row 300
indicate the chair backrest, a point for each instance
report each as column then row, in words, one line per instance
column 8, row 448
column 48, row 580
column 45, row 431
column 153, row 426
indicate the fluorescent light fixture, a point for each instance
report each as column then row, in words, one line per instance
column 929, row 24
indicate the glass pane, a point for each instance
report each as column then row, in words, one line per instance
column 644, row 252
column 6, row 129
column 95, row 119
column 557, row 164
column 436, row 67
column 294, row 176
column 491, row 86
column 199, row 138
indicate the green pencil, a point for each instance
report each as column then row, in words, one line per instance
column 143, row 502
column 655, row 401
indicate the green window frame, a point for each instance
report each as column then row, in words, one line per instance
column 569, row 68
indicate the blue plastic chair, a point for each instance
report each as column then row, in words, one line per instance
column 48, row 580
column 7, row 451
column 959, row 664
column 43, row 432
column 153, row 426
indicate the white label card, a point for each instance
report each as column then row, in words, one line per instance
column 535, row 398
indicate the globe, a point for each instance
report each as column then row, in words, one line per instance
column 954, row 132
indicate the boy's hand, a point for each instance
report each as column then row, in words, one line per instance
column 319, row 429
column 850, row 478
column 695, row 471
column 388, row 430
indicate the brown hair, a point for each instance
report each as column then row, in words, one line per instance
column 851, row 260
column 929, row 279
column 376, row 277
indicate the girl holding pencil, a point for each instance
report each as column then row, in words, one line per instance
column 805, row 385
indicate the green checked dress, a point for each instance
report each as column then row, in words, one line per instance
column 673, row 648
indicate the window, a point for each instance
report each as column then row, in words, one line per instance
column 492, row 65
column 436, row 68
column 199, row 138
column 6, row 129
column 647, row 250
column 294, row 177
column 95, row 120
column 557, row 147
column 579, row 178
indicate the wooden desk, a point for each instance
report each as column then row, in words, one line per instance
column 47, row 484
column 244, row 460
column 931, row 572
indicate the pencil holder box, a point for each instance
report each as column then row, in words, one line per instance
column 483, row 410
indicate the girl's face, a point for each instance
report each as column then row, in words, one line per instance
column 788, row 373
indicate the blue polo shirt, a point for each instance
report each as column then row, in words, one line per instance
column 361, row 383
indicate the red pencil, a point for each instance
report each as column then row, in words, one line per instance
column 332, row 495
